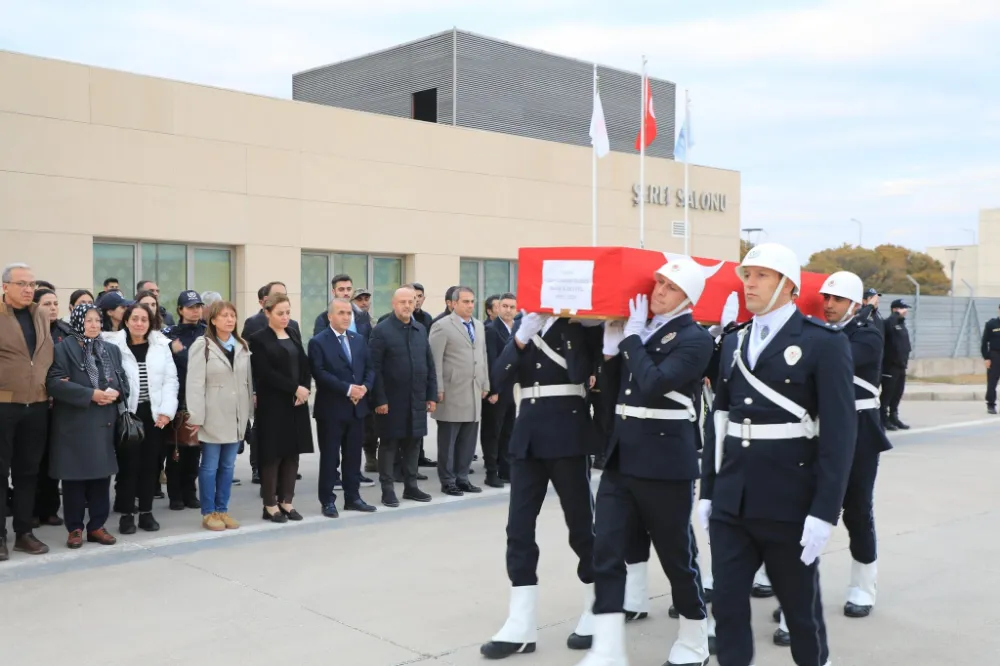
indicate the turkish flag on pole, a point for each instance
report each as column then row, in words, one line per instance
column 648, row 132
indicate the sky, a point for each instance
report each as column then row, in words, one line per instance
column 882, row 111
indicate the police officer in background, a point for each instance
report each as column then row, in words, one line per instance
column 991, row 357
column 652, row 461
column 871, row 297
column 773, row 484
column 842, row 296
column 552, row 440
column 897, row 357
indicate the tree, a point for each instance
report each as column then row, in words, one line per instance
column 884, row 268
column 745, row 246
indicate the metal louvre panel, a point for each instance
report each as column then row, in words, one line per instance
column 384, row 82
column 936, row 324
column 516, row 90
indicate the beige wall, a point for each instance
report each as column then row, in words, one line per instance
column 989, row 252
column 966, row 265
column 88, row 152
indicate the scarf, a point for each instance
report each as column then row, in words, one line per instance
column 96, row 359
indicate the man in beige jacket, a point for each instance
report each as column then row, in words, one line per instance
column 458, row 343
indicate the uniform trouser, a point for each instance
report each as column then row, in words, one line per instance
column 496, row 428
column 529, row 482
column 24, row 431
column 637, row 542
column 992, row 377
column 626, row 503
column 859, row 513
column 893, row 385
column 739, row 546
column 182, row 472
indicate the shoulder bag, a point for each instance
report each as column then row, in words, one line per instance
column 179, row 433
column 128, row 428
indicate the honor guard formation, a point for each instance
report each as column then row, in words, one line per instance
column 662, row 405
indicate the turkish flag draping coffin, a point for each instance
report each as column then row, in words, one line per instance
column 597, row 283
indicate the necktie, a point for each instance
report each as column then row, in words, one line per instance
column 469, row 328
column 346, row 346
column 764, row 330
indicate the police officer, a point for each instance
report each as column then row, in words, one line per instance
column 842, row 298
column 552, row 440
column 897, row 357
column 774, row 482
column 991, row 357
column 652, row 461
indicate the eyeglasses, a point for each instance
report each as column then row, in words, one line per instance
column 24, row 285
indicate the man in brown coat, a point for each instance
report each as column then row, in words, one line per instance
column 25, row 357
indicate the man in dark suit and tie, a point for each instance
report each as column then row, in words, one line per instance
column 344, row 374
column 499, row 410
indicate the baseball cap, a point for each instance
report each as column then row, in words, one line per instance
column 188, row 298
column 358, row 293
column 871, row 291
column 900, row 304
column 111, row 300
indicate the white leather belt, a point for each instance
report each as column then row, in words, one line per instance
column 870, row 403
column 752, row 431
column 867, row 403
column 554, row 391
column 656, row 414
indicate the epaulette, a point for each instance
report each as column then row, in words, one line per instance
column 820, row 323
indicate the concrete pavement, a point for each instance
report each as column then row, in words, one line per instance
column 946, row 392
column 426, row 583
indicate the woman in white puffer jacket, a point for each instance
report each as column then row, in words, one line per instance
column 152, row 379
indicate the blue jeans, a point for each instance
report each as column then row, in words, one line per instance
column 215, row 476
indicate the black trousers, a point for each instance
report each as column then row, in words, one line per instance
column 893, row 385
column 340, row 445
column 47, row 500
column 277, row 480
column 495, row 430
column 138, row 471
column 370, row 445
column 859, row 512
column 182, row 471
column 624, row 505
column 739, row 546
column 992, row 377
column 253, row 447
column 529, row 483
column 92, row 496
column 24, row 431
column 408, row 451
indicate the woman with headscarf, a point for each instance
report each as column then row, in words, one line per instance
column 85, row 382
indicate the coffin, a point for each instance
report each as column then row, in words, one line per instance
column 597, row 283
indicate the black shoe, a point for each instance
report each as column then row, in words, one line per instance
column 159, row 493
column 467, row 487
column 361, row 505
column 126, row 524
column 854, row 610
column 278, row 517
column 672, row 612
column 776, row 615
column 147, row 523
column 761, row 591
column 708, row 595
column 365, row 482
column 255, row 478
column 493, row 481
column 389, row 498
column 899, row 424
column 330, row 510
column 781, row 638
column 502, row 650
column 192, row 503
column 4, row 553
column 991, row 410
column 420, row 477
column 891, row 426
column 237, row 482
column 578, row 642
column 633, row 616
column 452, row 490
column 291, row 515
column 298, row 477
column 177, row 505
column 426, row 462
column 416, row 495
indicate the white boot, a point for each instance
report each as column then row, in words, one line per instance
column 637, row 588
column 707, row 582
column 691, row 646
column 863, row 587
column 521, row 626
column 781, row 622
column 585, row 625
column 608, row 648
column 761, row 578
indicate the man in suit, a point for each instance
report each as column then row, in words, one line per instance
column 458, row 343
column 499, row 410
column 342, row 368
column 342, row 286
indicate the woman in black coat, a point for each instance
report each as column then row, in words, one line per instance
column 284, row 431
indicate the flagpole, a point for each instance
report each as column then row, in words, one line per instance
column 642, row 160
column 687, row 195
column 593, row 176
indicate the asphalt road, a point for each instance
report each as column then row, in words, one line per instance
column 425, row 583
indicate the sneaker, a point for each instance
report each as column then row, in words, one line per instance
column 230, row 522
column 237, row 482
column 213, row 522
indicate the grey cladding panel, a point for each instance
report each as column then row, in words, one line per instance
column 942, row 326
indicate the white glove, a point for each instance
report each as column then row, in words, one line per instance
column 531, row 324
column 638, row 308
column 614, row 333
column 704, row 512
column 815, row 534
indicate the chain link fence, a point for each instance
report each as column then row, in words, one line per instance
column 944, row 326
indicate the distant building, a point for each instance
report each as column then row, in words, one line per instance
column 973, row 268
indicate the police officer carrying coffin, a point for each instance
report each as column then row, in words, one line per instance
column 652, row 461
column 773, row 484
column 842, row 298
column 552, row 440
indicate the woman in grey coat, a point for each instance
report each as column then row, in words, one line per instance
column 85, row 381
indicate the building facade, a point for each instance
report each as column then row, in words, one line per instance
column 111, row 174
column 970, row 267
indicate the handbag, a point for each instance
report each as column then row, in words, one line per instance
column 179, row 434
column 128, row 428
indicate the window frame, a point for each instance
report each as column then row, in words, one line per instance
column 189, row 250
column 369, row 278
column 481, row 280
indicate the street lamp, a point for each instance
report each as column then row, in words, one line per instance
column 858, row 222
column 757, row 230
column 973, row 232
column 953, row 252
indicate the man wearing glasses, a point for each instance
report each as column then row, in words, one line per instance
column 25, row 357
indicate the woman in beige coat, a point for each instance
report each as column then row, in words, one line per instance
column 220, row 402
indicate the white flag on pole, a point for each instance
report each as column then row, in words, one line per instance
column 598, row 130
column 685, row 140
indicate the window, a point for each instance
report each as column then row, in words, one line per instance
column 380, row 275
column 424, row 105
column 173, row 267
column 487, row 277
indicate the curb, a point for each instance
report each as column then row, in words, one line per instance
column 946, row 396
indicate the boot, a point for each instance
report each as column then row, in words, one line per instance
column 519, row 633
column 691, row 646
column 861, row 593
column 583, row 637
column 371, row 463
column 636, row 591
column 609, row 642
column 781, row 637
